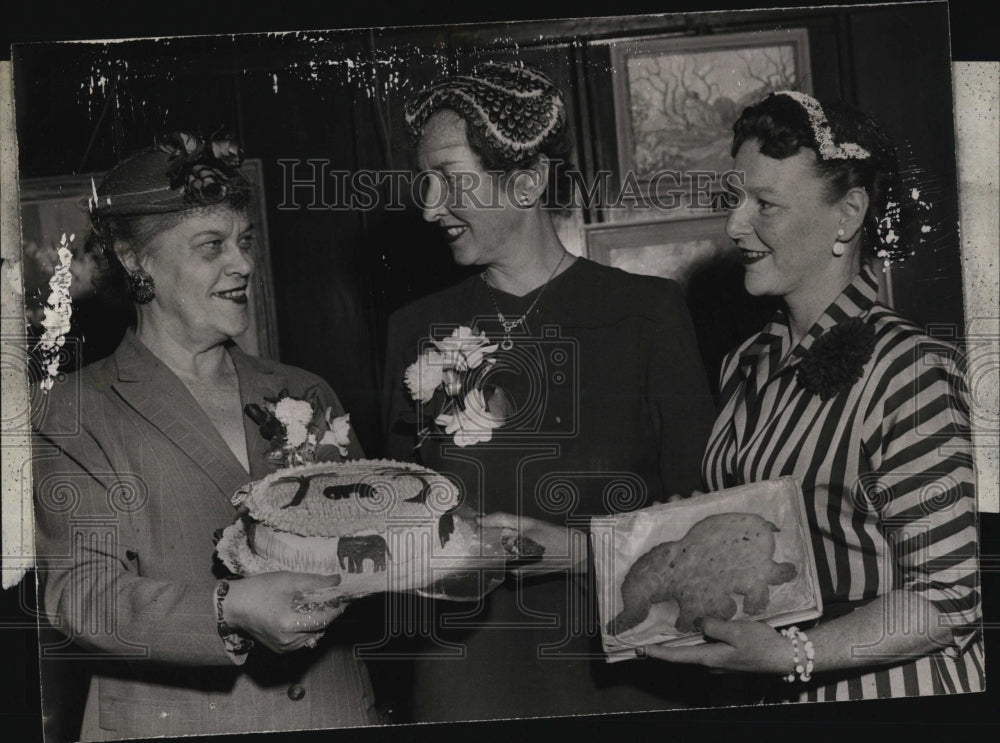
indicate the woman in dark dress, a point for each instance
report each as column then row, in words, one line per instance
column 588, row 398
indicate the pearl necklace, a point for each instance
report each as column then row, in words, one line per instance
column 509, row 325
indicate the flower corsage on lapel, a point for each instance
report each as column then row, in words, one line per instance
column 299, row 430
column 835, row 361
column 448, row 382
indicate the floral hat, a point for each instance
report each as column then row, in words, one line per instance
column 516, row 108
column 181, row 171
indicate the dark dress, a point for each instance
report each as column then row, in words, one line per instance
column 613, row 412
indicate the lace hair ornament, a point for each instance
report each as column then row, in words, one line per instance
column 902, row 206
column 515, row 108
column 828, row 149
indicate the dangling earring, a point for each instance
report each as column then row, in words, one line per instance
column 141, row 286
column 838, row 246
column 523, row 199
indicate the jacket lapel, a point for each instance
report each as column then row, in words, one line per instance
column 148, row 386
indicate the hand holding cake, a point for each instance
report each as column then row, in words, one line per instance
column 263, row 607
column 374, row 525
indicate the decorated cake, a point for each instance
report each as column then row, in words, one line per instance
column 382, row 525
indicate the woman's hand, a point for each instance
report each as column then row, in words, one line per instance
column 741, row 645
column 263, row 607
column 562, row 544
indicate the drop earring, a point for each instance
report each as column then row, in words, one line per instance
column 838, row 246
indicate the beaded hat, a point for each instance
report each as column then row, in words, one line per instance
column 515, row 108
column 181, row 171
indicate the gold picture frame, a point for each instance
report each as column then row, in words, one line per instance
column 676, row 99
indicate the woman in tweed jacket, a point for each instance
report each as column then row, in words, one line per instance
column 136, row 459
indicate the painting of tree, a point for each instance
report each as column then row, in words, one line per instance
column 681, row 96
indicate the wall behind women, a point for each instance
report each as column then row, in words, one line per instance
column 336, row 99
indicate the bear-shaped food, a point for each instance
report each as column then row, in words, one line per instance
column 720, row 555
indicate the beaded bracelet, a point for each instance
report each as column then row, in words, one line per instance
column 235, row 642
column 803, row 670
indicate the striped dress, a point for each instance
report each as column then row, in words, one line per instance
column 887, row 474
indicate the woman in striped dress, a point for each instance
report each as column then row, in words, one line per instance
column 869, row 412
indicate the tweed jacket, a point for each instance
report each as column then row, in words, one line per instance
column 131, row 481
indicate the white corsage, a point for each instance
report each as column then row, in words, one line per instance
column 451, row 376
column 298, row 429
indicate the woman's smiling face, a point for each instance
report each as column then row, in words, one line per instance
column 786, row 226
column 201, row 267
column 471, row 206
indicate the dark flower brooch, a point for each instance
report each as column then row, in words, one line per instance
column 834, row 363
column 206, row 169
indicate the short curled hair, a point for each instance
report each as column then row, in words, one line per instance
column 783, row 128
column 135, row 203
column 135, row 233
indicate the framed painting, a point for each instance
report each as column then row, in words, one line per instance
column 51, row 207
column 676, row 99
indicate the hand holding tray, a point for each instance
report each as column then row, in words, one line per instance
column 741, row 552
column 413, row 563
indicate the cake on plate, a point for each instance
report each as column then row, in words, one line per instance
column 379, row 524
